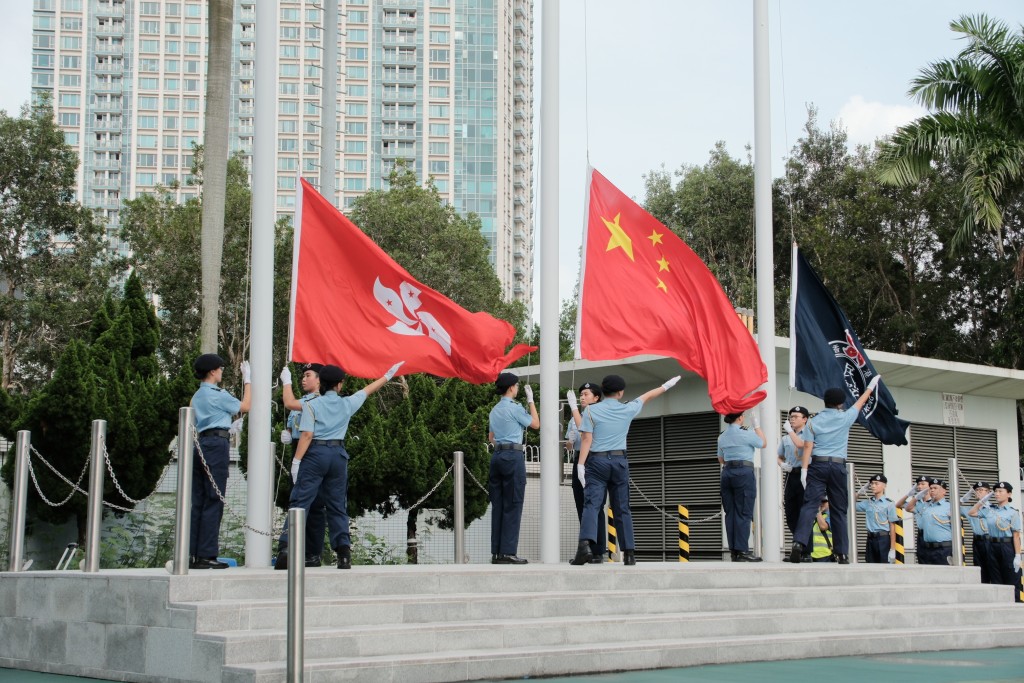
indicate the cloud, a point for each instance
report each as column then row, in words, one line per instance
column 866, row 121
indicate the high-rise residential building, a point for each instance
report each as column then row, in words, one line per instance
column 444, row 84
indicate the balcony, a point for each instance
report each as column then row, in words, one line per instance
column 108, row 68
column 106, row 163
column 107, row 106
column 106, row 47
column 114, row 144
column 113, row 124
column 112, row 183
column 519, row 218
column 399, row 132
column 116, row 29
column 106, row 10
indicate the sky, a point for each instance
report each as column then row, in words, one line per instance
column 656, row 83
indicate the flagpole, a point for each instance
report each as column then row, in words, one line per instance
column 550, row 461
column 792, row 316
column 771, row 530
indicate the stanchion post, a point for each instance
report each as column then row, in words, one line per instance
column 955, row 522
column 94, row 516
column 16, row 535
column 296, row 592
column 851, row 510
column 183, row 516
column 901, row 553
column 684, row 534
column 459, row 507
column 613, row 544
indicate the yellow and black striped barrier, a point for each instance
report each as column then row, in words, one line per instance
column 900, row 553
column 684, row 534
column 612, row 540
column 1020, row 589
column 963, row 546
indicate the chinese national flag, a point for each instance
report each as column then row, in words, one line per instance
column 645, row 291
column 353, row 306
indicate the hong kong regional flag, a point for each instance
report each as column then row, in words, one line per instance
column 645, row 291
column 355, row 307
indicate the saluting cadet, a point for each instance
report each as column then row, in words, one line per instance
column 506, row 480
column 589, row 393
column 823, row 469
column 738, row 485
column 790, row 456
column 603, row 467
column 879, row 518
column 1003, row 523
column 212, row 409
column 316, row 519
column 323, row 460
column 936, row 527
column 919, row 489
column 979, row 528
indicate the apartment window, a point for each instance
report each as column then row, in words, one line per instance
column 290, row 32
column 438, row 56
column 71, row 138
column 193, row 11
column 439, row 167
column 310, row 127
column 312, row 108
column 441, row 184
column 149, row 83
column 287, row 164
column 168, row 178
column 191, row 104
column 70, row 119
column 288, row 88
column 287, row 145
column 188, row 141
column 439, row 111
column 356, row 91
column 312, row 33
column 290, row 51
column 149, row 27
column 71, row 23
column 358, row 35
column 355, row 128
column 149, row 102
column 149, row 45
column 355, row 184
column 172, row 47
column 173, row 28
column 439, row 18
column 193, row 29
column 358, row 16
column 191, row 47
column 288, row 107
column 172, row 9
column 289, row 14
column 288, row 126
column 42, row 22
column 439, row 148
column 286, row 201
column 439, row 37
column 439, row 129
column 357, row 53
column 71, row 42
column 170, row 142
column 312, row 52
column 146, row 141
column 355, row 147
column 191, row 66
column 145, row 179
column 171, row 65
column 438, row 74
column 190, row 122
column 70, row 62
column 286, row 182
column 171, row 84
column 145, row 159
column 191, row 85
column 42, row 80
column 289, row 70
column 170, row 160
column 439, row 91
column 44, row 42
column 71, row 5
column 170, row 103
column 149, row 65
column 171, row 122
column 147, row 121
column 70, row 100
column 44, row 61
column 357, row 72
column 355, row 109
column 70, row 80
column 439, row 3
column 151, row 9
column 355, row 165
column 313, row 15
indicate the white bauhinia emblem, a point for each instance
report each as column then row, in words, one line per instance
column 409, row 319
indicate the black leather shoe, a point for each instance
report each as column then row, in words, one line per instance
column 842, row 559
column 628, row 558
column 597, row 559
column 344, row 556
column 282, row 560
column 509, row 559
column 745, row 557
column 314, row 561
column 207, row 563
column 583, row 554
column 797, row 552
column 494, row 559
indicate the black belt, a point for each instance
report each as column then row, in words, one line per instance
column 214, row 432
column 509, row 447
column 738, row 463
column 1000, row 539
column 328, row 442
column 825, row 458
column 607, row 453
column 940, row 544
column 876, row 534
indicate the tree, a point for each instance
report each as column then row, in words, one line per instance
column 977, row 115
column 216, row 124
column 53, row 266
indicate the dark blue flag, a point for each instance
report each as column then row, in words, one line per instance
column 826, row 353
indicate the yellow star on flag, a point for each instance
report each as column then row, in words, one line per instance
column 662, row 286
column 662, row 264
column 619, row 238
column 655, row 237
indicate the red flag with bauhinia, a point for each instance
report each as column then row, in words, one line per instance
column 645, row 291
column 353, row 306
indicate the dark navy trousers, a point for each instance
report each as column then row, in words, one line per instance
column 599, row 547
column 739, row 491
column 207, row 507
column 607, row 474
column 506, row 484
column 825, row 478
column 323, row 472
column 793, row 499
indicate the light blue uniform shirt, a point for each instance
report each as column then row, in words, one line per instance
column 878, row 513
column 295, row 415
column 737, row 444
column 978, row 525
column 934, row 521
column 327, row 416
column 572, row 433
column 830, row 432
column 1001, row 521
column 609, row 422
column 790, row 453
column 213, row 407
column 507, row 420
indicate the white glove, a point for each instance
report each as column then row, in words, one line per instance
column 921, row 494
column 863, row 489
column 967, row 496
column 236, row 426
column 911, row 491
column 670, row 383
column 286, row 436
column 246, row 372
column 392, row 370
column 570, row 397
column 529, row 393
column 786, row 467
column 286, row 376
column 1016, row 563
column 874, row 382
column 892, row 556
column 756, row 421
column 788, row 427
column 295, row 470
column 984, row 499
column 803, row 476
column 581, row 473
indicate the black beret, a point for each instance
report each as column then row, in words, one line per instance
column 330, row 375
column 1007, row 486
column 315, row 367
column 922, row 480
column 834, row 397
column 594, row 389
column 612, row 384
column 880, row 477
column 800, row 409
column 207, row 363
column 505, row 381
column 935, row 481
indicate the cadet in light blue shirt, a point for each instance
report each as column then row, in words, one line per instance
column 212, row 410
column 738, row 485
column 979, row 528
column 506, row 480
column 790, row 454
column 1004, row 529
column 603, row 467
column 823, row 470
column 933, row 515
column 323, row 459
column 880, row 519
column 590, row 393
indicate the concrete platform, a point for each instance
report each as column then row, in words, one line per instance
column 473, row 622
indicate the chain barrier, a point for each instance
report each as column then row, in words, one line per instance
column 113, row 478
column 431, row 491
column 673, row 518
column 216, row 489
column 75, row 488
column 475, row 480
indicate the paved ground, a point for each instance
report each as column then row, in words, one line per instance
column 1003, row 665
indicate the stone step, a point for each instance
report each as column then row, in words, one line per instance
column 604, row 655
column 246, row 647
column 255, row 614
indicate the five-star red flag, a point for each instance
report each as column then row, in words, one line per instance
column 353, row 306
column 645, row 291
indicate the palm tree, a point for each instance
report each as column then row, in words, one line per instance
column 976, row 104
column 215, row 165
